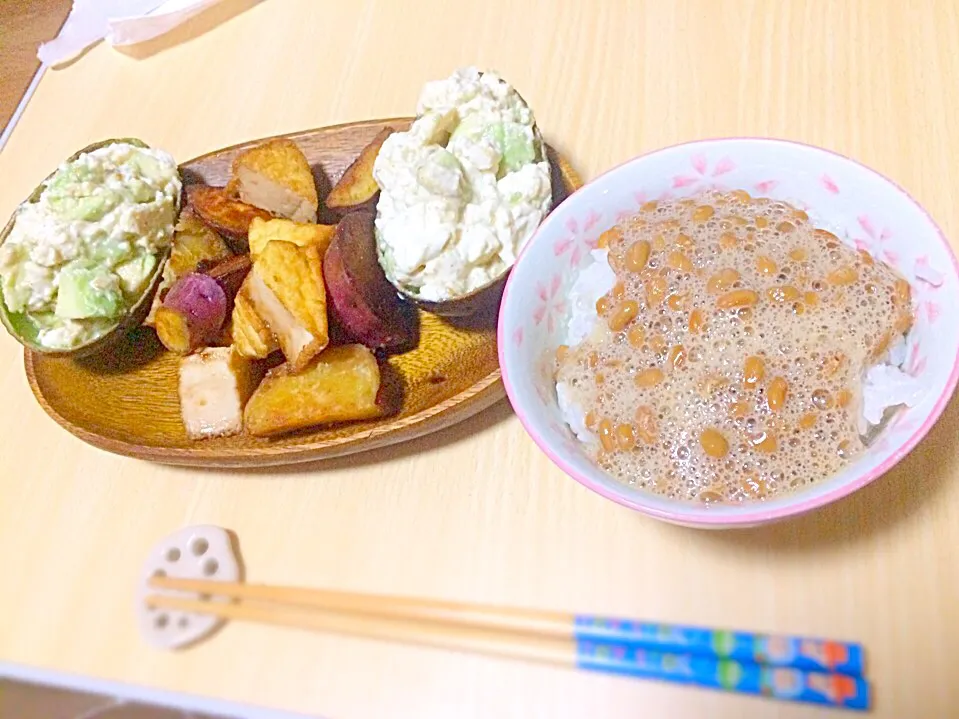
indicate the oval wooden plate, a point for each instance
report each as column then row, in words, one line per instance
column 126, row 401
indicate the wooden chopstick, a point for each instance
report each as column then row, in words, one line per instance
column 785, row 683
column 797, row 652
column 526, row 621
column 454, row 637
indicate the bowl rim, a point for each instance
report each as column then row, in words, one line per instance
column 701, row 517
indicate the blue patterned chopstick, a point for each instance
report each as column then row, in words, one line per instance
column 836, row 690
column 807, row 654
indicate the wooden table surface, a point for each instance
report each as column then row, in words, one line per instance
column 24, row 24
column 477, row 512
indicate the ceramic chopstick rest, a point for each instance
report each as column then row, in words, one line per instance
column 199, row 552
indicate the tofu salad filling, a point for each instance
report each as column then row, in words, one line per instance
column 463, row 190
column 81, row 256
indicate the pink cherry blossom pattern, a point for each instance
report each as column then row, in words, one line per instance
column 562, row 245
column 865, row 222
column 829, row 184
column 550, row 306
column 572, row 225
column 874, row 240
column 725, row 165
column 766, row 186
column 680, row 181
column 928, row 274
column 568, row 244
column 576, row 256
column 701, row 170
column 699, row 163
column 903, row 422
column 591, row 219
column 915, row 365
column 640, row 198
column 518, row 337
column 932, row 311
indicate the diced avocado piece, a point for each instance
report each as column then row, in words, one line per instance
column 70, row 175
column 90, row 208
column 16, row 294
column 516, row 145
column 110, row 252
column 472, row 127
column 141, row 192
column 148, row 166
column 88, row 292
column 135, row 273
column 441, row 173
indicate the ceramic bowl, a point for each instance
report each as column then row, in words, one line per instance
column 854, row 202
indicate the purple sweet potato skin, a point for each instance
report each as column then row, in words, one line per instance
column 202, row 304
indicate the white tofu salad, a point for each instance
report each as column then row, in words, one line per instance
column 463, row 190
column 81, row 256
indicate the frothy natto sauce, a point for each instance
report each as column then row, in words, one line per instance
column 727, row 361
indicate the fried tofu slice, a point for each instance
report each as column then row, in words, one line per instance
column 252, row 337
column 287, row 291
column 340, row 385
column 214, row 386
column 357, row 188
column 301, row 234
column 275, row 176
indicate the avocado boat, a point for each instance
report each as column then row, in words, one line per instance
column 461, row 192
column 105, row 226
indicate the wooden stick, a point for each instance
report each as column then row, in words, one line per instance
column 453, row 637
column 526, row 621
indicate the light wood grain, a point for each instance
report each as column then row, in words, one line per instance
column 477, row 513
column 451, row 374
column 24, row 24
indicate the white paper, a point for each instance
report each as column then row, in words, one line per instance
column 119, row 22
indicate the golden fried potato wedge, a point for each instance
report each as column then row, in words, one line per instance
column 357, row 188
column 275, row 176
column 340, row 385
column 227, row 216
column 301, row 234
column 252, row 337
column 287, row 291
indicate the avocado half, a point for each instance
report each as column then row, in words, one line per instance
column 19, row 324
column 482, row 298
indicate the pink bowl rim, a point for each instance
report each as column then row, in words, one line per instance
column 761, row 516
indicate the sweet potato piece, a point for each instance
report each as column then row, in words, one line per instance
column 192, row 314
column 193, row 243
column 252, row 337
column 230, row 273
column 362, row 300
column 275, row 176
column 227, row 216
column 356, row 188
column 340, row 385
column 299, row 233
column 214, row 386
column 287, row 290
